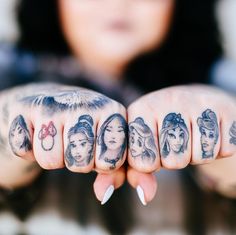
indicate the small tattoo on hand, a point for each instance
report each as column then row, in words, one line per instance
column 19, row 136
column 113, row 139
column 174, row 135
column 46, row 135
column 79, row 151
column 141, row 140
column 208, row 127
column 232, row 133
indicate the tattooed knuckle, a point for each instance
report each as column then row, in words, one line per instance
column 142, row 144
column 80, row 148
column 19, row 137
column 112, row 141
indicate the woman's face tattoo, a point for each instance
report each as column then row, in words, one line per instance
column 80, row 147
column 114, row 134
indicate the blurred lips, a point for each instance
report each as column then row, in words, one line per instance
column 119, row 26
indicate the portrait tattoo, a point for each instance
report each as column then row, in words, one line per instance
column 70, row 100
column 79, row 151
column 174, row 135
column 112, row 139
column 19, row 136
column 46, row 135
column 208, row 127
column 232, row 133
column 141, row 140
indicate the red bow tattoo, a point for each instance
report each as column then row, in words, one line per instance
column 49, row 130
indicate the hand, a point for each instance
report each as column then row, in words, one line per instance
column 177, row 126
column 67, row 126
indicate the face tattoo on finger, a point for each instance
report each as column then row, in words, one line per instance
column 79, row 151
column 113, row 139
column 141, row 141
column 174, row 135
column 209, row 130
column 19, row 136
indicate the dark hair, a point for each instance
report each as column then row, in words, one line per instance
column 185, row 57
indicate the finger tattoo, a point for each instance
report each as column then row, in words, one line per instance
column 141, row 141
column 19, row 136
column 79, row 151
column 209, row 129
column 46, row 136
column 174, row 135
column 112, row 139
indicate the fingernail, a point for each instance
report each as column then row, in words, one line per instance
column 140, row 193
column 108, row 194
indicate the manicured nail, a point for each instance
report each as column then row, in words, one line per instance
column 108, row 194
column 141, row 195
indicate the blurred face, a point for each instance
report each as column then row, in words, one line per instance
column 114, row 135
column 175, row 139
column 114, row 31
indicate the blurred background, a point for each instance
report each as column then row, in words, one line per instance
column 182, row 206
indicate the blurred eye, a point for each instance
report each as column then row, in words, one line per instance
column 108, row 130
column 211, row 136
column 20, row 131
column 172, row 136
column 83, row 144
column 72, row 145
column 132, row 140
column 181, row 135
column 139, row 143
column 203, row 132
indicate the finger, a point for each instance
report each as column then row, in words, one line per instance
column 111, row 146
column 20, row 137
column 143, row 154
column 79, row 142
column 105, row 184
column 144, row 183
column 206, row 136
column 48, row 142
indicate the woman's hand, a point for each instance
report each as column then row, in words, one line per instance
column 177, row 126
column 59, row 126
